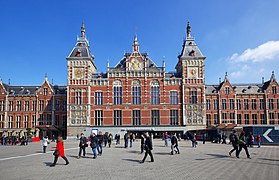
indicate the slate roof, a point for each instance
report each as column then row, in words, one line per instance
column 189, row 46
column 81, row 49
column 239, row 88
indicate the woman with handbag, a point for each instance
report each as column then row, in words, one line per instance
column 82, row 145
column 59, row 152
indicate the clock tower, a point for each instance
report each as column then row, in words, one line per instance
column 81, row 66
column 190, row 68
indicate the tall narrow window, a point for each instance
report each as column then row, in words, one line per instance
column 271, row 119
column 216, row 119
column 155, row 92
column 232, row 117
column 41, row 105
column 155, row 117
column 224, row 118
column 18, row 105
column 224, row 104
column 33, row 121
column 174, row 117
column 263, row 119
column 99, row 98
column 18, row 119
column 99, row 118
column 274, row 90
column 26, row 119
column 261, row 104
column 215, row 104
column 208, row 119
column 2, row 106
column 254, row 104
column 136, row 117
column 78, row 96
column 26, row 105
column 246, row 105
column 11, row 105
column 231, row 104
column 173, row 97
column 227, row 90
column 278, row 104
column 117, row 92
column 193, row 96
column 208, row 104
column 57, row 105
column 270, row 104
column 254, row 118
column 238, row 104
column 64, row 105
column 34, row 105
column 117, row 117
column 10, row 122
column 136, row 92
column 239, row 121
column 45, row 91
column 246, row 119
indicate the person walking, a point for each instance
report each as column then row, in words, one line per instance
column 109, row 139
column 141, row 143
column 234, row 140
column 148, row 148
column 131, row 136
column 165, row 138
column 100, row 143
column 59, row 152
column 259, row 140
column 45, row 143
column 174, row 144
column 194, row 140
column 106, row 139
column 82, row 145
column 126, row 140
column 94, row 144
column 242, row 144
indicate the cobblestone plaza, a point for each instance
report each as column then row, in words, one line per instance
column 207, row 161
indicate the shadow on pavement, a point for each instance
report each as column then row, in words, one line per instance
column 269, row 159
column 132, row 160
column 218, row 155
column 162, row 153
column 48, row 163
column 133, row 151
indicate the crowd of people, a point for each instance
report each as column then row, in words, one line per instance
column 14, row 140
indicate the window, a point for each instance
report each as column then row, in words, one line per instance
column 193, row 96
column 155, row 117
column 246, row 106
column 254, row 104
column 33, row 121
column 78, row 96
column 117, row 92
column 57, row 120
column 18, row 105
column 224, row 117
column 263, row 120
column 26, row 119
column 278, row 104
column 41, row 105
column 246, row 118
column 136, row 117
column 117, row 117
column 224, row 104
column 155, row 92
column 99, row 98
column 45, row 91
column 270, row 104
column 271, row 118
column 136, row 92
column 64, row 105
column 173, row 97
column 174, row 117
column 208, row 104
column 34, row 105
column 232, row 117
column 232, row 104
column 274, row 90
column 49, row 105
column 216, row 121
column 227, row 90
column 215, row 104
column 26, row 105
column 2, row 106
column 254, row 118
column 261, row 104
column 239, row 121
column 18, row 118
column 11, row 105
column 208, row 119
column 57, row 105
column 10, row 122
column 238, row 104
column 99, row 118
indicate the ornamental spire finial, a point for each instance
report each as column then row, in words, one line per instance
column 188, row 30
column 82, row 30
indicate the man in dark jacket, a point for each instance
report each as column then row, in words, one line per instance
column 174, row 144
column 82, row 145
column 141, row 143
column 100, row 143
column 234, row 141
column 148, row 147
column 126, row 140
column 93, row 144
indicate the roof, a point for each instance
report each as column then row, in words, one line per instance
column 81, row 49
column 189, row 47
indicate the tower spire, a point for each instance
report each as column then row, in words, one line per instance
column 82, row 30
column 136, row 43
column 188, row 30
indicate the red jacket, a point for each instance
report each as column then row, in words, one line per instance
column 60, row 147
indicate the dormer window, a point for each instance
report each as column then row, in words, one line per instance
column 78, row 54
column 192, row 53
column 274, row 90
column 190, row 44
column 80, row 44
column 227, row 90
column 45, row 91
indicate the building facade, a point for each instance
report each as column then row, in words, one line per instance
column 136, row 95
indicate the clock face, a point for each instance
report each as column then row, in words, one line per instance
column 193, row 72
column 78, row 72
column 136, row 65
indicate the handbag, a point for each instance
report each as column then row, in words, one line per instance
column 86, row 145
column 56, row 152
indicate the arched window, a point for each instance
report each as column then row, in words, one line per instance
column 117, row 92
column 136, row 92
column 155, row 92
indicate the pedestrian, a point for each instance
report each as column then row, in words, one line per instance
column 174, row 144
column 165, row 138
column 131, row 136
column 259, row 140
column 234, row 140
column 203, row 137
column 109, row 139
column 194, row 140
column 148, row 148
column 94, row 144
column 59, row 152
column 224, row 137
column 243, row 144
column 106, row 139
column 45, row 143
column 100, row 143
column 141, row 143
column 125, row 140
column 82, row 145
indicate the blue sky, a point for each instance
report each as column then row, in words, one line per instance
column 238, row 37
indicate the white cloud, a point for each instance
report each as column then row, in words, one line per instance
column 266, row 51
